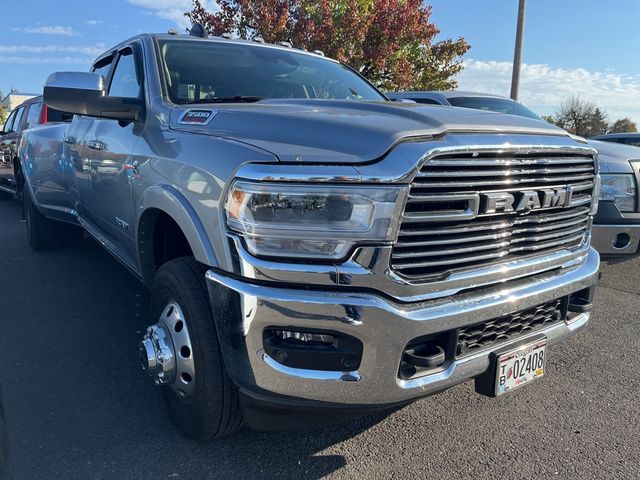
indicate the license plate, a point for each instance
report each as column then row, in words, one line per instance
column 520, row 366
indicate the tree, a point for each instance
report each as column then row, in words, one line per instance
column 549, row 118
column 581, row 117
column 623, row 125
column 390, row 42
column 599, row 123
column 3, row 111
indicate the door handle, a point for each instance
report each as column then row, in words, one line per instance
column 95, row 145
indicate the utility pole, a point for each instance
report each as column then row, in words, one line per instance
column 517, row 56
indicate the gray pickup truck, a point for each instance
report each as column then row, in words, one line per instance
column 314, row 250
column 617, row 225
column 616, row 229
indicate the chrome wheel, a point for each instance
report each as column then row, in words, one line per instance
column 166, row 352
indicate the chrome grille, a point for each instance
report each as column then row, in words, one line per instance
column 443, row 228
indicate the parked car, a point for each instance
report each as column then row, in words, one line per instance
column 632, row 139
column 314, row 250
column 479, row 101
column 617, row 225
column 29, row 114
column 616, row 229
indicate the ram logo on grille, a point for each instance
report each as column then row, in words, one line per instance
column 473, row 210
column 527, row 200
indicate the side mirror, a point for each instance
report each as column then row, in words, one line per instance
column 84, row 93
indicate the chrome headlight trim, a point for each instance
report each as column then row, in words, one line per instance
column 312, row 221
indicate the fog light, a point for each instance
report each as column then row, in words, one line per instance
column 313, row 350
column 305, row 337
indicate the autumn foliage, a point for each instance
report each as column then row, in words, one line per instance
column 390, row 42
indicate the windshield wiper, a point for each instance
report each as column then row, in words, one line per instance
column 236, row 99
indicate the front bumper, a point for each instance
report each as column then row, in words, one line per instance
column 613, row 240
column 615, row 233
column 244, row 310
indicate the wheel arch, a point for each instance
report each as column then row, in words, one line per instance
column 18, row 174
column 164, row 209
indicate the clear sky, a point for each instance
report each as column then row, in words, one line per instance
column 584, row 47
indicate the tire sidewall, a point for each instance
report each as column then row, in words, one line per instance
column 28, row 217
column 207, row 396
column 39, row 234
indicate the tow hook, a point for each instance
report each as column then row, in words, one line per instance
column 157, row 355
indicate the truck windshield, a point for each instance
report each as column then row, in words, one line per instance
column 500, row 105
column 221, row 71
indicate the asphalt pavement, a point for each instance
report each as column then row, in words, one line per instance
column 77, row 405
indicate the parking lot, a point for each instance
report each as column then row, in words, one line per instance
column 78, row 405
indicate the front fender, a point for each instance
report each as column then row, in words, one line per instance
column 166, row 199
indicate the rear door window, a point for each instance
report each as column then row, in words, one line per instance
column 8, row 125
column 18, row 120
column 33, row 115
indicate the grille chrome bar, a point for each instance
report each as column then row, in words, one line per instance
column 491, row 162
column 506, row 182
column 449, row 261
column 431, row 245
column 452, row 251
column 461, row 255
column 459, row 207
column 502, row 172
column 546, row 228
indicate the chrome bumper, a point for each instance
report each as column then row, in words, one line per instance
column 616, row 239
column 384, row 327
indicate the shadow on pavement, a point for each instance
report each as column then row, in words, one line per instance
column 77, row 403
column 4, row 449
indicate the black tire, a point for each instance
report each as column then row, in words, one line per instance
column 20, row 181
column 40, row 230
column 213, row 411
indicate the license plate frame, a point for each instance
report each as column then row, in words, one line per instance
column 505, row 381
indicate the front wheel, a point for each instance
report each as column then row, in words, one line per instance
column 182, row 353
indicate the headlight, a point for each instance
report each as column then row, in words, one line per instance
column 311, row 221
column 621, row 189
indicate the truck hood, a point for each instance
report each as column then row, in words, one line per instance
column 340, row 131
column 615, row 157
